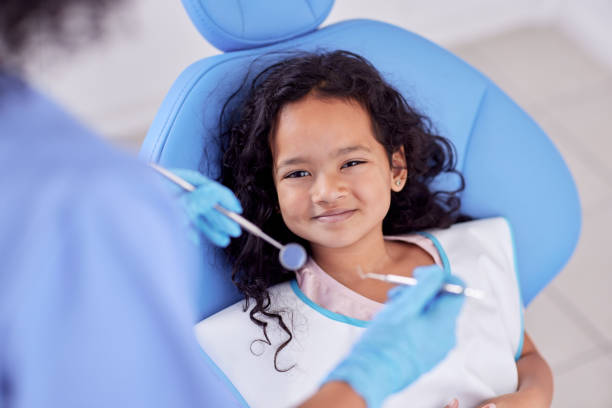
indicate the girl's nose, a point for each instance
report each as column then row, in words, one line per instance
column 327, row 189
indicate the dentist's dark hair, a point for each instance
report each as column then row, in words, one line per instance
column 23, row 22
column 247, row 166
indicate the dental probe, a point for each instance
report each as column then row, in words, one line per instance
column 292, row 256
column 406, row 280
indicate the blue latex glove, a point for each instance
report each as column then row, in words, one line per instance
column 199, row 206
column 410, row 336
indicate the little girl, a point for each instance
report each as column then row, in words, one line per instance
column 324, row 152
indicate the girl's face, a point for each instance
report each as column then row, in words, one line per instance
column 332, row 177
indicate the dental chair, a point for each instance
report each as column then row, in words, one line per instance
column 511, row 168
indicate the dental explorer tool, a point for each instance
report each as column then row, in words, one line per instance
column 406, row 280
column 292, row 256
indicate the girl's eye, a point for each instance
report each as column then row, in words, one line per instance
column 297, row 174
column 352, row 163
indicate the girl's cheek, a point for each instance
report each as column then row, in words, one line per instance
column 290, row 199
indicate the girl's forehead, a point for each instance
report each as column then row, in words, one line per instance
column 315, row 125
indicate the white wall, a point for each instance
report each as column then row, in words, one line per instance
column 589, row 22
column 448, row 22
column 117, row 84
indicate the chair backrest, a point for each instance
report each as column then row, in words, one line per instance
column 510, row 166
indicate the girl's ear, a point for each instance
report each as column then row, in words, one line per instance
column 399, row 173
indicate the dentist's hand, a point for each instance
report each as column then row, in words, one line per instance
column 199, row 206
column 410, row 336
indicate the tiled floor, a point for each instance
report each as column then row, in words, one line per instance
column 570, row 95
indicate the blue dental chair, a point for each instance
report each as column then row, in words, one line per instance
column 510, row 166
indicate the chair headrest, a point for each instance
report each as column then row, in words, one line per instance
column 240, row 25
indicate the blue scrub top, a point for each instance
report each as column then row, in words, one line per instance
column 96, row 275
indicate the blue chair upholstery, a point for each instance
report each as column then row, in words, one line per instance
column 511, row 167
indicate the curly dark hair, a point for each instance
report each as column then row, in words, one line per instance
column 247, row 164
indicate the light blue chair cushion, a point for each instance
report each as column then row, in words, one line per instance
column 241, row 24
column 511, row 167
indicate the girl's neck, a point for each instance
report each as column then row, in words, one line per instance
column 370, row 254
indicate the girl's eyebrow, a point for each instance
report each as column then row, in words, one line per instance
column 339, row 152
column 291, row 161
column 351, row 149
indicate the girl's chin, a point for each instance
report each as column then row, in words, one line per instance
column 341, row 237
column 333, row 243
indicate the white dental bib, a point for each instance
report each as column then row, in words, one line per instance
column 481, row 366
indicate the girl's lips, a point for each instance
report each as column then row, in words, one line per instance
column 337, row 217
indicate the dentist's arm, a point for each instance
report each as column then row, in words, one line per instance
column 397, row 347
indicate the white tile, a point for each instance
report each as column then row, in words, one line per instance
column 588, row 385
column 557, row 337
column 594, row 186
column 587, row 279
column 535, row 65
column 587, row 119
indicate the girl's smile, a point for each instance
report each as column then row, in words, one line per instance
column 333, row 216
